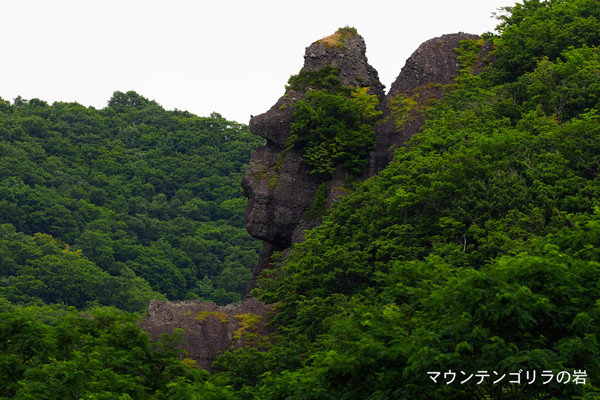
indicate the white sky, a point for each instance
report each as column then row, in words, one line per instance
column 229, row 56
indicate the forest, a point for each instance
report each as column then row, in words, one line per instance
column 468, row 269
column 117, row 206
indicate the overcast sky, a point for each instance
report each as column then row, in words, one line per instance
column 229, row 56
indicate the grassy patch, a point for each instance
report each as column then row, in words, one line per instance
column 339, row 37
column 201, row 316
column 248, row 327
column 409, row 108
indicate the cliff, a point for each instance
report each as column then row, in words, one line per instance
column 279, row 185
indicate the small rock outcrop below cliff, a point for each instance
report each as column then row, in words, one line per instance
column 210, row 329
column 278, row 183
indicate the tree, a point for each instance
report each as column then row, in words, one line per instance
column 333, row 129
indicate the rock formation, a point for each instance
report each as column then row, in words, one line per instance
column 278, row 184
column 280, row 188
column 423, row 79
column 279, row 195
column 209, row 329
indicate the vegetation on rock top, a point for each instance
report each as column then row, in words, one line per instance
column 339, row 37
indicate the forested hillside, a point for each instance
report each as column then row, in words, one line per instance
column 120, row 205
column 468, row 269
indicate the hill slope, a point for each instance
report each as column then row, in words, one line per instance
column 137, row 192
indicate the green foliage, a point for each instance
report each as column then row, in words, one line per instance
column 476, row 248
column 317, row 207
column 347, row 32
column 529, row 311
column 417, row 105
column 333, row 129
column 535, row 29
column 325, row 78
column 247, row 331
column 99, row 355
column 41, row 269
column 245, row 368
column 467, row 54
column 146, row 195
column 566, row 87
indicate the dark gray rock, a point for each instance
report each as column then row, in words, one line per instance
column 209, row 329
column 433, row 62
column 278, row 184
column 432, row 66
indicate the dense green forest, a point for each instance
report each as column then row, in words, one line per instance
column 121, row 205
column 476, row 252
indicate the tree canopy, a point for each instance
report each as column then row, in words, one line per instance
column 130, row 196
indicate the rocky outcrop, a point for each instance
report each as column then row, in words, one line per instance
column 209, row 329
column 280, row 188
column 421, row 82
column 278, row 183
column 434, row 62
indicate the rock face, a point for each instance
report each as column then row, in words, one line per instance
column 433, row 62
column 208, row 328
column 278, row 183
column 422, row 81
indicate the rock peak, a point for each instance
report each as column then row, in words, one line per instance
column 422, row 69
column 346, row 50
column 283, row 195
